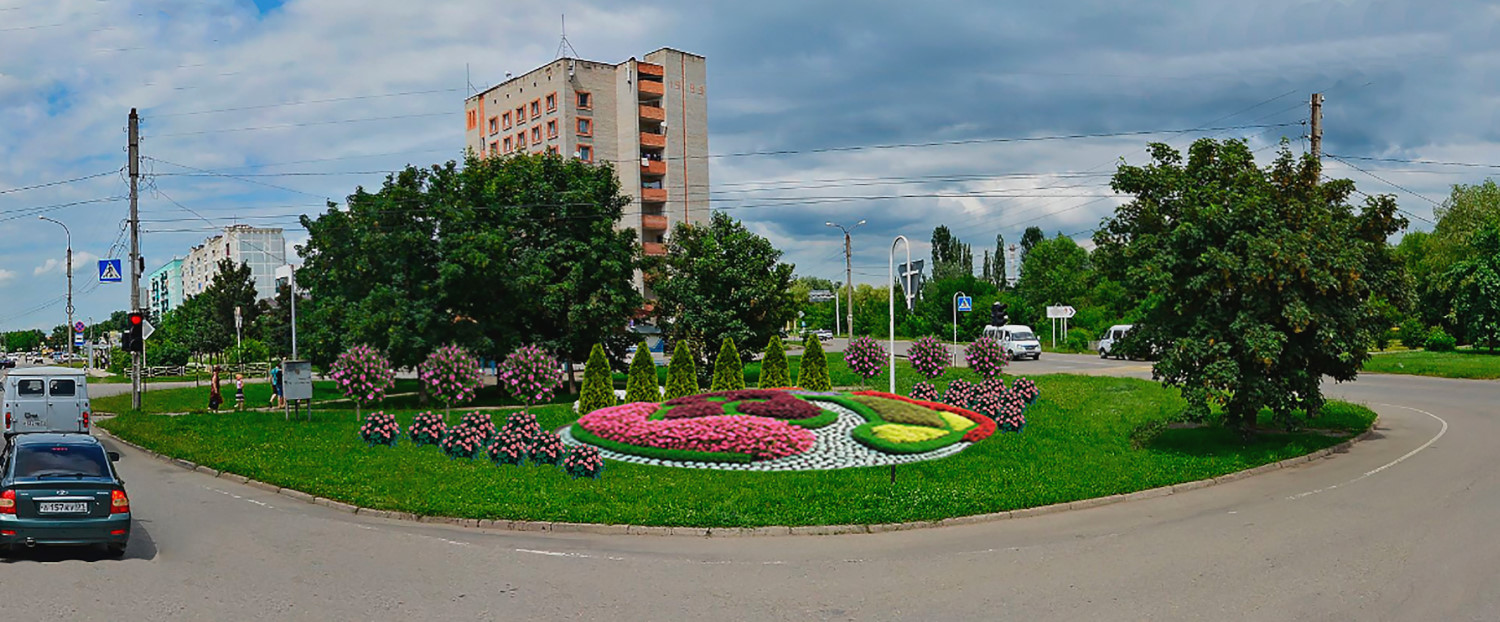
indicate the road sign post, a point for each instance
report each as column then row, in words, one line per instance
column 961, row 302
column 1060, row 312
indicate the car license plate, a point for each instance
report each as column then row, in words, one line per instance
column 63, row 508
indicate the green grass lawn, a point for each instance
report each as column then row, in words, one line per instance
column 195, row 399
column 1472, row 364
column 1077, row 445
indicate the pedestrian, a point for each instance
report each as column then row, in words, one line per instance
column 239, row 392
column 215, row 398
column 276, row 398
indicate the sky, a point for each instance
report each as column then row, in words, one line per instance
column 986, row 116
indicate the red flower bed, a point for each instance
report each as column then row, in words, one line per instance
column 784, row 407
column 984, row 426
column 690, row 410
column 773, row 403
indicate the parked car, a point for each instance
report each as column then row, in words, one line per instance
column 1017, row 340
column 62, row 489
column 823, row 334
column 7, row 363
column 45, row 399
column 1111, row 338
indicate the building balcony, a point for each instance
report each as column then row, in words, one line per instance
column 651, row 90
column 655, row 168
column 654, row 249
column 654, row 222
column 654, row 141
column 653, row 195
column 653, row 113
column 649, row 69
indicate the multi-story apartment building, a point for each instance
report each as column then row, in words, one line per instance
column 264, row 249
column 648, row 118
column 164, row 288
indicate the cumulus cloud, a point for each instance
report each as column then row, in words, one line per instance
column 85, row 265
column 7, row 276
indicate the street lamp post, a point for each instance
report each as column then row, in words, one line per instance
column 69, row 235
column 900, row 239
column 848, row 271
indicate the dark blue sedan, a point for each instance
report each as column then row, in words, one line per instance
column 61, row 489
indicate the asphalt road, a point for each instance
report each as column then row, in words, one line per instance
column 1400, row 528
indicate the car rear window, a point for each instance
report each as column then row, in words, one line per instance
column 62, row 388
column 60, row 461
column 30, row 387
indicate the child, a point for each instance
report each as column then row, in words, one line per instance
column 239, row 391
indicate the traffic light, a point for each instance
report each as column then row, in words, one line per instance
column 134, row 341
column 999, row 314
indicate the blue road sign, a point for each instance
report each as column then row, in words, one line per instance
column 109, row 271
column 965, row 303
column 78, row 339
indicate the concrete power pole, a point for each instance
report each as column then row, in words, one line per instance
column 849, row 282
column 1315, row 125
column 135, row 249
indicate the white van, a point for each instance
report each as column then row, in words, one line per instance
column 45, row 399
column 1017, row 340
column 1112, row 337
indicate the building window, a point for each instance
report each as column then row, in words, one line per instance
column 520, row 115
column 536, row 109
column 473, row 119
column 494, row 147
column 521, row 141
column 552, row 149
column 585, row 101
column 552, row 129
column 505, row 121
column 586, row 153
column 494, row 125
column 509, row 146
column 536, row 135
column 552, row 102
column 585, row 127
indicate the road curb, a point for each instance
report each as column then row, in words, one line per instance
column 774, row 530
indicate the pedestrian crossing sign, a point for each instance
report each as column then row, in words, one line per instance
column 109, row 271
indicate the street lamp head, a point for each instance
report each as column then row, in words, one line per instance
column 830, row 224
column 859, row 223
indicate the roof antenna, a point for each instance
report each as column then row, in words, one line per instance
column 564, row 43
column 470, row 82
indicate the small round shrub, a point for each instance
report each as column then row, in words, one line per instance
column 985, row 357
column 924, row 391
column 583, row 461
column 530, row 374
column 380, row 429
column 929, row 357
column 427, row 428
column 959, row 393
column 363, row 375
column 548, row 449
column 451, row 375
column 1439, row 340
column 469, row 438
column 1010, row 413
column 509, row 447
column 1413, row 333
column 994, row 386
column 865, row 357
column 1026, row 389
column 986, row 402
column 525, row 429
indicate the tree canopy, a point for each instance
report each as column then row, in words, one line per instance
column 1253, row 283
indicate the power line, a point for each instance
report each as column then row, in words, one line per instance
column 302, row 103
column 23, row 212
column 239, row 177
column 1428, row 162
column 60, row 182
column 1388, row 182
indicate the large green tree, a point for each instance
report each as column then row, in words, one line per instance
column 1055, row 272
column 1254, row 283
column 1476, row 305
column 720, row 281
column 950, row 256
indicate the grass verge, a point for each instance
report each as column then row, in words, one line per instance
column 1468, row 364
column 1077, row 445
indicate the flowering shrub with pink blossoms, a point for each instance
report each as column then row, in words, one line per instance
column 530, row 374
column 380, row 429
column 583, row 461
column 929, row 357
column 761, row 438
column 451, row 375
column 427, row 428
column 959, row 393
column 985, row 357
column 363, row 375
column 865, row 357
column 469, row 438
column 924, row 391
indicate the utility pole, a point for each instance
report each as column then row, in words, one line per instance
column 848, row 271
column 135, row 249
column 1315, row 124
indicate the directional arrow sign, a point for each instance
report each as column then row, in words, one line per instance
column 146, row 329
column 1063, row 312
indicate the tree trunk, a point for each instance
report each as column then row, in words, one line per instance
column 572, row 377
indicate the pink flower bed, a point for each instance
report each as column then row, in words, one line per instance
column 761, row 438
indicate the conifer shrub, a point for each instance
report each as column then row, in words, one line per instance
column 642, row 386
column 813, row 374
column 729, row 372
column 598, row 391
column 682, row 373
column 773, row 367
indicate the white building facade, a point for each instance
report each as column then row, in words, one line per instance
column 263, row 249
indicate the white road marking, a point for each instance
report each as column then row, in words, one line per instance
column 1390, row 464
column 567, row 554
column 226, row 492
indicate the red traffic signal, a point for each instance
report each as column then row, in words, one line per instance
column 134, row 340
column 135, row 319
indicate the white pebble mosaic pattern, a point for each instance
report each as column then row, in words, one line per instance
column 834, row 449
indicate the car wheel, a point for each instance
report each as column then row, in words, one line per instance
column 1103, row 354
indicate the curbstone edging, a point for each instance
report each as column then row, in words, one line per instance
column 772, row 530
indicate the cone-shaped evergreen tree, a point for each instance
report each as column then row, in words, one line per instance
column 642, row 386
column 682, row 374
column 598, row 389
column 813, row 374
column 729, row 373
column 773, row 370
